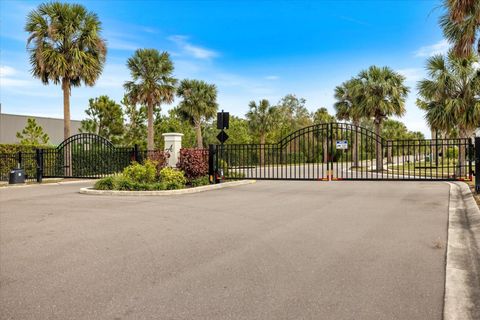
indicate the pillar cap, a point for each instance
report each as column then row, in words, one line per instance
column 172, row 134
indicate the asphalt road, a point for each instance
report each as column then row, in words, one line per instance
column 271, row 250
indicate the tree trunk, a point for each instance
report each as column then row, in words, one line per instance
column 355, row 144
column 198, row 134
column 389, row 151
column 66, row 108
column 462, row 150
column 150, row 141
column 67, row 154
column 378, row 148
column 325, row 149
column 262, row 143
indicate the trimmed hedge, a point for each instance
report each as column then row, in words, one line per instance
column 14, row 148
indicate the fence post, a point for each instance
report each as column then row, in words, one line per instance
column 212, row 149
column 477, row 164
column 135, row 153
column 39, row 160
column 19, row 163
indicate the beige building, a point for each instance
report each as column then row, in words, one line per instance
column 10, row 124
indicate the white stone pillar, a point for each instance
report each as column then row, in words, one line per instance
column 173, row 144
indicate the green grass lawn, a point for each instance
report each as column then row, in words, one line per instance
column 443, row 169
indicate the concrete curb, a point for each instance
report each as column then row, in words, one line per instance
column 47, row 183
column 462, row 276
column 91, row 191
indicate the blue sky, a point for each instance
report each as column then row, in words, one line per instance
column 250, row 49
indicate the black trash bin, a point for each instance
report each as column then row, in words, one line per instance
column 17, row 176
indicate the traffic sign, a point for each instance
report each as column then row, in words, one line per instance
column 342, row 144
column 222, row 136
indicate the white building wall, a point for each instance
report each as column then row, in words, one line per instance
column 10, row 124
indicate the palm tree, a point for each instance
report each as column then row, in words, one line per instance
column 450, row 96
column 261, row 119
column 383, row 95
column 65, row 47
column 199, row 104
column 321, row 116
column 461, row 24
column 152, row 84
column 347, row 108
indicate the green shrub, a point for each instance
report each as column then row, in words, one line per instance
column 223, row 165
column 235, row 175
column 145, row 173
column 202, row 181
column 120, row 182
column 452, row 153
column 105, row 184
column 173, row 179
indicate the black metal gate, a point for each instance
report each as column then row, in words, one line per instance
column 84, row 155
column 341, row 151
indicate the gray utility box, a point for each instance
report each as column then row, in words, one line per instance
column 17, row 176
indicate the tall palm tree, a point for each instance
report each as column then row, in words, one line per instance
column 152, row 83
column 261, row 119
column 461, row 25
column 199, row 104
column 65, row 48
column 347, row 108
column 383, row 94
column 321, row 116
column 450, row 96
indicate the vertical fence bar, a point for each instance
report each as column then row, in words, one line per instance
column 39, row 161
column 211, row 161
column 477, row 164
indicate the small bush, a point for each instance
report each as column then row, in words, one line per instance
column 173, row 179
column 160, row 158
column 120, row 182
column 105, row 184
column 232, row 175
column 145, row 173
column 194, row 162
column 452, row 153
column 203, row 181
column 223, row 165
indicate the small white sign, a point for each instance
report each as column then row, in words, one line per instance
column 342, row 144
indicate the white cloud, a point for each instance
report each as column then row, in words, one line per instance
column 272, row 77
column 412, row 74
column 6, row 79
column 6, row 71
column 440, row 47
column 192, row 50
column 119, row 44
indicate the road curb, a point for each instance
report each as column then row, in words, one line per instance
column 462, row 276
column 91, row 191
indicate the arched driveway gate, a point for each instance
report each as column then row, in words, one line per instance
column 84, row 155
column 340, row 151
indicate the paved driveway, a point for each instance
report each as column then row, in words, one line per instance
column 271, row 250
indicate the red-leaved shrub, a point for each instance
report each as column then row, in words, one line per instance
column 194, row 162
column 160, row 157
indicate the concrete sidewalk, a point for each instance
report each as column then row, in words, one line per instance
column 271, row 250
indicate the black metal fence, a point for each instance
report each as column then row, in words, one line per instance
column 80, row 156
column 24, row 160
column 339, row 151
